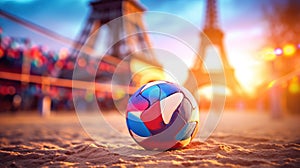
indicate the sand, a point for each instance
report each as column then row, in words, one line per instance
column 242, row 139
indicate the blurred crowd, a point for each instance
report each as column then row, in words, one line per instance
column 20, row 56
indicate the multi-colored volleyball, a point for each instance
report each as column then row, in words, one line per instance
column 162, row 116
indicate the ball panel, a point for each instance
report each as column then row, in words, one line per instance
column 167, row 89
column 166, row 139
column 171, row 130
column 152, row 94
column 135, row 113
column 186, row 131
column 136, row 137
column 151, row 84
column 194, row 115
column 190, row 97
column 152, row 118
column 196, row 129
column 181, row 144
column 168, row 105
column 184, row 143
column 137, row 103
column 185, row 109
column 151, row 144
column 137, row 126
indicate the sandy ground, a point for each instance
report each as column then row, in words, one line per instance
column 242, row 139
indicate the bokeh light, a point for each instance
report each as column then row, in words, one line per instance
column 81, row 62
column 278, row 51
column 63, row 53
column 289, row 50
column 11, row 90
column 89, row 96
column 294, row 86
column 271, row 84
column 268, row 54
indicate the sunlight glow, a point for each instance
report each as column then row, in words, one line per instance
column 208, row 91
column 144, row 73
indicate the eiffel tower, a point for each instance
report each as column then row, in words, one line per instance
column 122, row 18
column 104, row 11
column 212, row 36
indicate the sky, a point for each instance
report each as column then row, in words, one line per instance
column 242, row 22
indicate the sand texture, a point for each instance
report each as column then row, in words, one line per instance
column 241, row 140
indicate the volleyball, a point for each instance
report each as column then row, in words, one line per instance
column 162, row 116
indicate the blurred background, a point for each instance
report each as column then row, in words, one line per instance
column 258, row 41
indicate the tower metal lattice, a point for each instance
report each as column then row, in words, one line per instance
column 212, row 36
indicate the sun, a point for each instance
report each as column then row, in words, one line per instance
column 250, row 73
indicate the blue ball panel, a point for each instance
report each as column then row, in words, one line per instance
column 137, row 125
column 167, row 89
column 152, row 94
column 186, row 131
